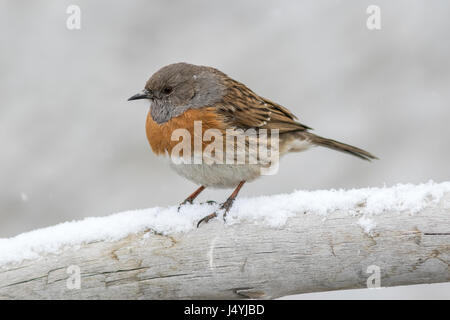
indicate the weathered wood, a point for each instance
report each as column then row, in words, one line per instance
column 246, row 260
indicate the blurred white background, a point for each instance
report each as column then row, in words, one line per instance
column 72, row 146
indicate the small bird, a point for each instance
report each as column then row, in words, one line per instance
column 183, row 94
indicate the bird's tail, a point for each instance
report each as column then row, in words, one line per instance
column 339, row 146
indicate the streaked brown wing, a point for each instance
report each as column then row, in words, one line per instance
column 244, row 109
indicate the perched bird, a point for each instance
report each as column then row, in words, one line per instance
column 183, row 95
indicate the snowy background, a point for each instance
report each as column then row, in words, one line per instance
column 73, row 147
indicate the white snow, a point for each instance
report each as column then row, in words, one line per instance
column 367, row 224
column 271, row 210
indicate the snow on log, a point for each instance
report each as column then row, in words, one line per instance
column 270, row 246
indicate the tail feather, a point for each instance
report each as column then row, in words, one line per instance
column 339, row 146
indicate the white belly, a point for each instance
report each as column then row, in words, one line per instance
column 217, row 175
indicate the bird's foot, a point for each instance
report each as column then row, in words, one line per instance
column 190, row 201
column 191, row 198
column 226, row 206
column 209, row 202
column 206, row 219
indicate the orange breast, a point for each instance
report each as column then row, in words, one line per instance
column 159, row 135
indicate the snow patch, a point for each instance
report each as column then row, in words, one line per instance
column 270, row 210
column 367, row 224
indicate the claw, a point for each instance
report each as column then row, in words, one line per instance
column 184, row 203
column 207, row 218
column 191, row 198
column 226, row 206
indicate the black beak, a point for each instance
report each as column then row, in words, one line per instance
column 144, row 94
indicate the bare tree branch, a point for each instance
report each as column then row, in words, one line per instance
column 246, row 260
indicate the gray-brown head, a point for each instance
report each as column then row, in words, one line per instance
column 181, row 86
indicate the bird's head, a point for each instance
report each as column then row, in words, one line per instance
column 181, row 86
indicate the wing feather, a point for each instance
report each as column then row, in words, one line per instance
column 242, row 108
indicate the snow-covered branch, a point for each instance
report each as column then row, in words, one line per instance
column 270, row 247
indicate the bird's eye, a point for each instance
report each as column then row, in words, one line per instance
column 167, row 90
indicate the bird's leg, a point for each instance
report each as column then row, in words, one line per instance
column 229, row 202
column 224, row 206
column 191, row 198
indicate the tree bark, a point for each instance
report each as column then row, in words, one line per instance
column 245, row 260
